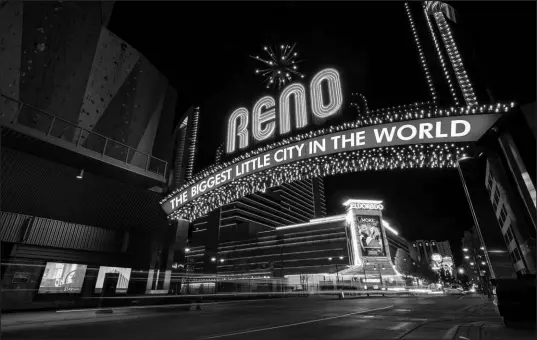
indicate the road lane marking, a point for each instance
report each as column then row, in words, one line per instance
column 400, row 325
column 451, row 332
column 293, row 324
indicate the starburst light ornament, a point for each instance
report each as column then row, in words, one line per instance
column 280, row 67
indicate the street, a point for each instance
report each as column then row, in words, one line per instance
column 434, row 317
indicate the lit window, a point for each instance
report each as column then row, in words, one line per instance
column 518, row 254
column 489, row 180
column 503, row 215
column 496, row 197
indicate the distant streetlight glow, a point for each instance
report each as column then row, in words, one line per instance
column 482, row 248
column 467, row 257
column 341, row 257
column 187, row 250
column 329, row 259
column 461, row 271
column 213, row 259
column 464, row 249
column 483, row 263
column 471, row 263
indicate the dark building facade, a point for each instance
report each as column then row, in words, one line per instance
column 500, row 184
column 289, row 204
column 322, row 249
column 87, row 150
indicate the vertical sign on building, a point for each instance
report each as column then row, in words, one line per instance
column 365, row 232
column 369, row 232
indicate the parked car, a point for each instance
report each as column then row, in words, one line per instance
column 454, row 289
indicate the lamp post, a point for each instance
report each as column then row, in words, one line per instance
column 215, row 259
column 337, row 270
column 475, row 261
column 187, row 250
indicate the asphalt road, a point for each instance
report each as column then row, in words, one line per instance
column 435, row 317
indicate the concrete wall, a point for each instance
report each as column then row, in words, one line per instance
column 60, row 58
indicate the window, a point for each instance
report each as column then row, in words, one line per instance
column 517, row 255
column 496, row 199
column 489, row 181
column 508, row 236
column 503, row 215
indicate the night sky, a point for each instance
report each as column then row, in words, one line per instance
column 203, row 49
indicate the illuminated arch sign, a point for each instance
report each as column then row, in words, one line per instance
column 263, row 116
column 429, row 142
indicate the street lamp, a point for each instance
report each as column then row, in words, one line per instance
column 337, row 270
column 474, row 260
column 461, row 271
column 214, row 259
column 465, row 249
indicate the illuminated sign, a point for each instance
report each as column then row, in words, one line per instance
column 367, row 206
column 436, row 257
column 454, row 129
column 369, row 234
column 263, row 117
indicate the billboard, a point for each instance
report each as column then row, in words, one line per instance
column 122, row 283
column 369, row 232
column 62, row 278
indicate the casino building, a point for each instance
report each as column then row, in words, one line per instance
column 352, row 248
column 90, row 139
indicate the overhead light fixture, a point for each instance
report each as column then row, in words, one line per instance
column 81, row 174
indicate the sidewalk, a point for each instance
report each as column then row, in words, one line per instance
column 490, row 328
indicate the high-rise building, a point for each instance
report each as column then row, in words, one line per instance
column 186, row 147
column 293, row 203
column 444, row 249
column 499, row 180
column 519, row 239
column 427, row 248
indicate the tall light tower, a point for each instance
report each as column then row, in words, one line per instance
column 442, row 12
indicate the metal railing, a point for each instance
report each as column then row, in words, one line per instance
column 53, row 126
